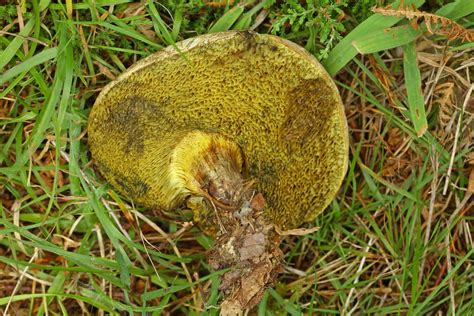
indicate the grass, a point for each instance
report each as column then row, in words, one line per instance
column 395, row 241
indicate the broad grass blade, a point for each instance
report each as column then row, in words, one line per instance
column 386, row 39
column 345, row 51
column 416, row 103
column 227, row 20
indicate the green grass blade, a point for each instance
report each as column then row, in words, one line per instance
column 227, row 20
column 123, row 263
column 289, row 308
column 43, row 4
column 27, row 116
column 454, row 270
column 67, row 57
column 340, row 55
column 106, row 223
column 86, row 6
column 55, row 288
column 386, row 39
column 44, row 118
column 60, row 82
column 162, row 292
column 175, row 288
column 416, row 103
column 178, row 21
column 24, row 297
column 389, row 185
column 160, row 27
column 457, row 9
column 128, row 31
column 214, row 291
column 82, row 260
column 75, row 152
column 246, row 20
column 28, row 64
column 262, row 306
column 7, row 54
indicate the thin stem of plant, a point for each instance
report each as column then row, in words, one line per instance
column 359, row 270
column 456, row 137
column 451, row 282
column 20, row 279
column 434, row 188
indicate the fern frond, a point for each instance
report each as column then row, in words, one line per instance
column 435, row 24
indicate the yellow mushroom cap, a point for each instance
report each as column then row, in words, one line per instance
column 263, row 93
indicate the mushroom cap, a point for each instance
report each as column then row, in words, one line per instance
column 265, row 93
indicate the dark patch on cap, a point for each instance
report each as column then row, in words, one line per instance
column 311, row 105
column 133, row 186
column 128, row 120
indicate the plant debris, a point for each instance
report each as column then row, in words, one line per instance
column 435, row 24
column 249, row 248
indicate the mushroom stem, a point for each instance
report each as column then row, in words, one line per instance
column 249, row 248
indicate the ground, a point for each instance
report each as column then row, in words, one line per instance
column 396, row 240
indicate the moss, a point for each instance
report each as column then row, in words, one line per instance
column 266, row 94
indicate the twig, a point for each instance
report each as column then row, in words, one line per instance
column 221, row 226
column 16, row 221
column 359, row 270
column 460, row 208
column 456, row 136
column 441, row 66
column 28, row 38
column 451, row 282
column 21, row 25
column 100, row 241
column 434, row 187
column 23, row 274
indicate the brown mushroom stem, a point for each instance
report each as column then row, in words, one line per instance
column 249, row 248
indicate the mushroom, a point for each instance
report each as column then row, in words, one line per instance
column 248, row 130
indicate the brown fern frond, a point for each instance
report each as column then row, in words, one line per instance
column 435, row 24
column 444, row 95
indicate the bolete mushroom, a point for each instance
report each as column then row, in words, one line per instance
column 220, row 123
